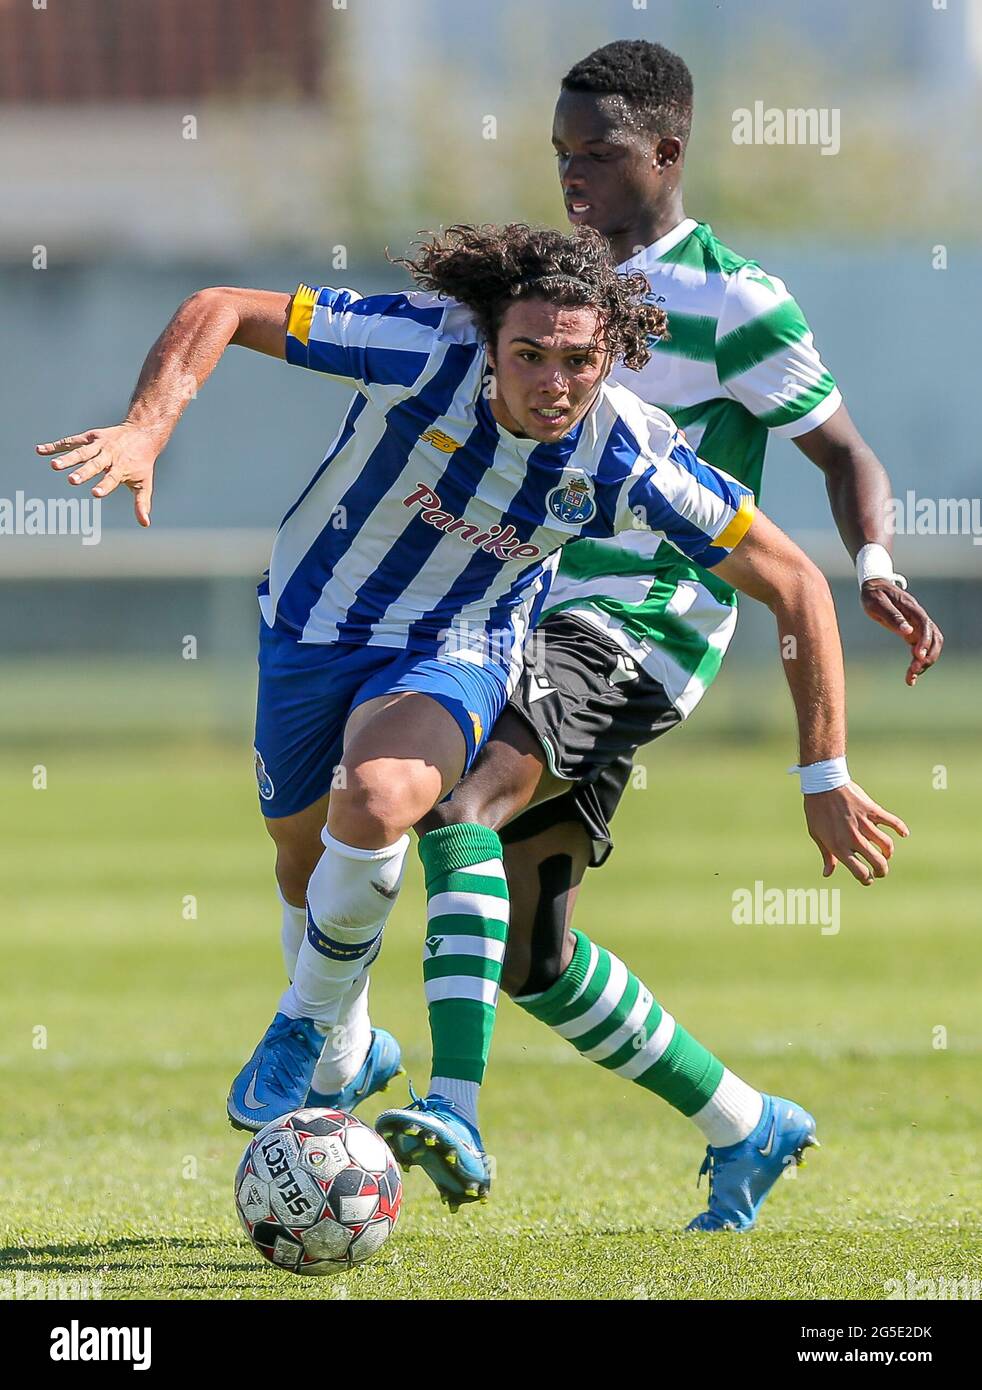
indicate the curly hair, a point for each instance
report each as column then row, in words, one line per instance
column 489, row 268
column 654, row 82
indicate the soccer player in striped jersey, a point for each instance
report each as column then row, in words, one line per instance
column 634, row 632
column 401, row 585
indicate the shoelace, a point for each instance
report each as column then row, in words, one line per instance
column 707, row 1166
column 424, row 1103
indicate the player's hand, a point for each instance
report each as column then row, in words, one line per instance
column 845, row 824
column 120, row 454
column 896, row 609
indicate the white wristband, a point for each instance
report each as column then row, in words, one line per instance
column 822, row 777
column 875, row 562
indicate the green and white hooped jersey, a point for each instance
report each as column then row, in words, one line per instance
column 740, row 361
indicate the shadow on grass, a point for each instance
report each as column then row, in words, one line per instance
column 124, row 1253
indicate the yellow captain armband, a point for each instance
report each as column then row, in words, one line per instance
column 301, row 314
column 738, row 525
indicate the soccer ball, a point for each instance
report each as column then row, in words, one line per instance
column 317, row 1192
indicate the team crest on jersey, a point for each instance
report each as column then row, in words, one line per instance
column 572, row 502
column 266, row 788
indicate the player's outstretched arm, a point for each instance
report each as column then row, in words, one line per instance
column 859, row 494
column 180, row 361
column 843, row 821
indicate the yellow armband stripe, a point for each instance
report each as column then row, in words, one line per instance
column 301, row 314
column 738, row 525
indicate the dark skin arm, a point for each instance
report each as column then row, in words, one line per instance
column 766, row 565
column 859, row 490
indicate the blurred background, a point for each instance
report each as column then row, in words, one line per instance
column 152, row 147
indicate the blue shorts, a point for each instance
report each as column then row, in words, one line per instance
column 307, row 690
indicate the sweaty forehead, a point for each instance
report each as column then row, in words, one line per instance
column 585, row 116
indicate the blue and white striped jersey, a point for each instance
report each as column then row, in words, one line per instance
column 426, row 516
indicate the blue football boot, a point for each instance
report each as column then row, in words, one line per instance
column 276, row 1078
column 384, row 1061
column 447, row 1147
column 741, row 1175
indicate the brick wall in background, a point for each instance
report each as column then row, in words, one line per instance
column 145, row 51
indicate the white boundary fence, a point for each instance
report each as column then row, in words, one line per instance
column 214, row 553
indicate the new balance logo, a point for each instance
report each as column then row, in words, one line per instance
column 433, row 944
column 440, row 441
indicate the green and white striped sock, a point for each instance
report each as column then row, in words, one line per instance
column 609, row 1016
column 467, row 926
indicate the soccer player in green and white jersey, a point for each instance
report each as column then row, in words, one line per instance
column 636, row 633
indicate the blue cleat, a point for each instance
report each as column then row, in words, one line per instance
column 384, row 1061
column 447, row 1147
column 741, row 1175
column 276, row 1078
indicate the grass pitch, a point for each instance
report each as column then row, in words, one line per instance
column 141, row 962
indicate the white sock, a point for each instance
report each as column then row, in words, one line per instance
column 291, row 933
column 347, row 1042
column 349, row 897
column 731, row 1114
column 464, row 1094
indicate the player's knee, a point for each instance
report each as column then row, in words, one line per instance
column 295, row 860
column 379, row 800
column 499, row 786
column 463, row 808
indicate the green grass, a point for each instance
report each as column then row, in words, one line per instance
column 117, row 1159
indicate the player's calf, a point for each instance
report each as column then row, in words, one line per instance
column 467, row 925
column 535, row 958
column 349, row 897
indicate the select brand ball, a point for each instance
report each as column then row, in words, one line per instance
column 317, row 1191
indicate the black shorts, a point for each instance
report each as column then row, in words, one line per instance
column 591, row 707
